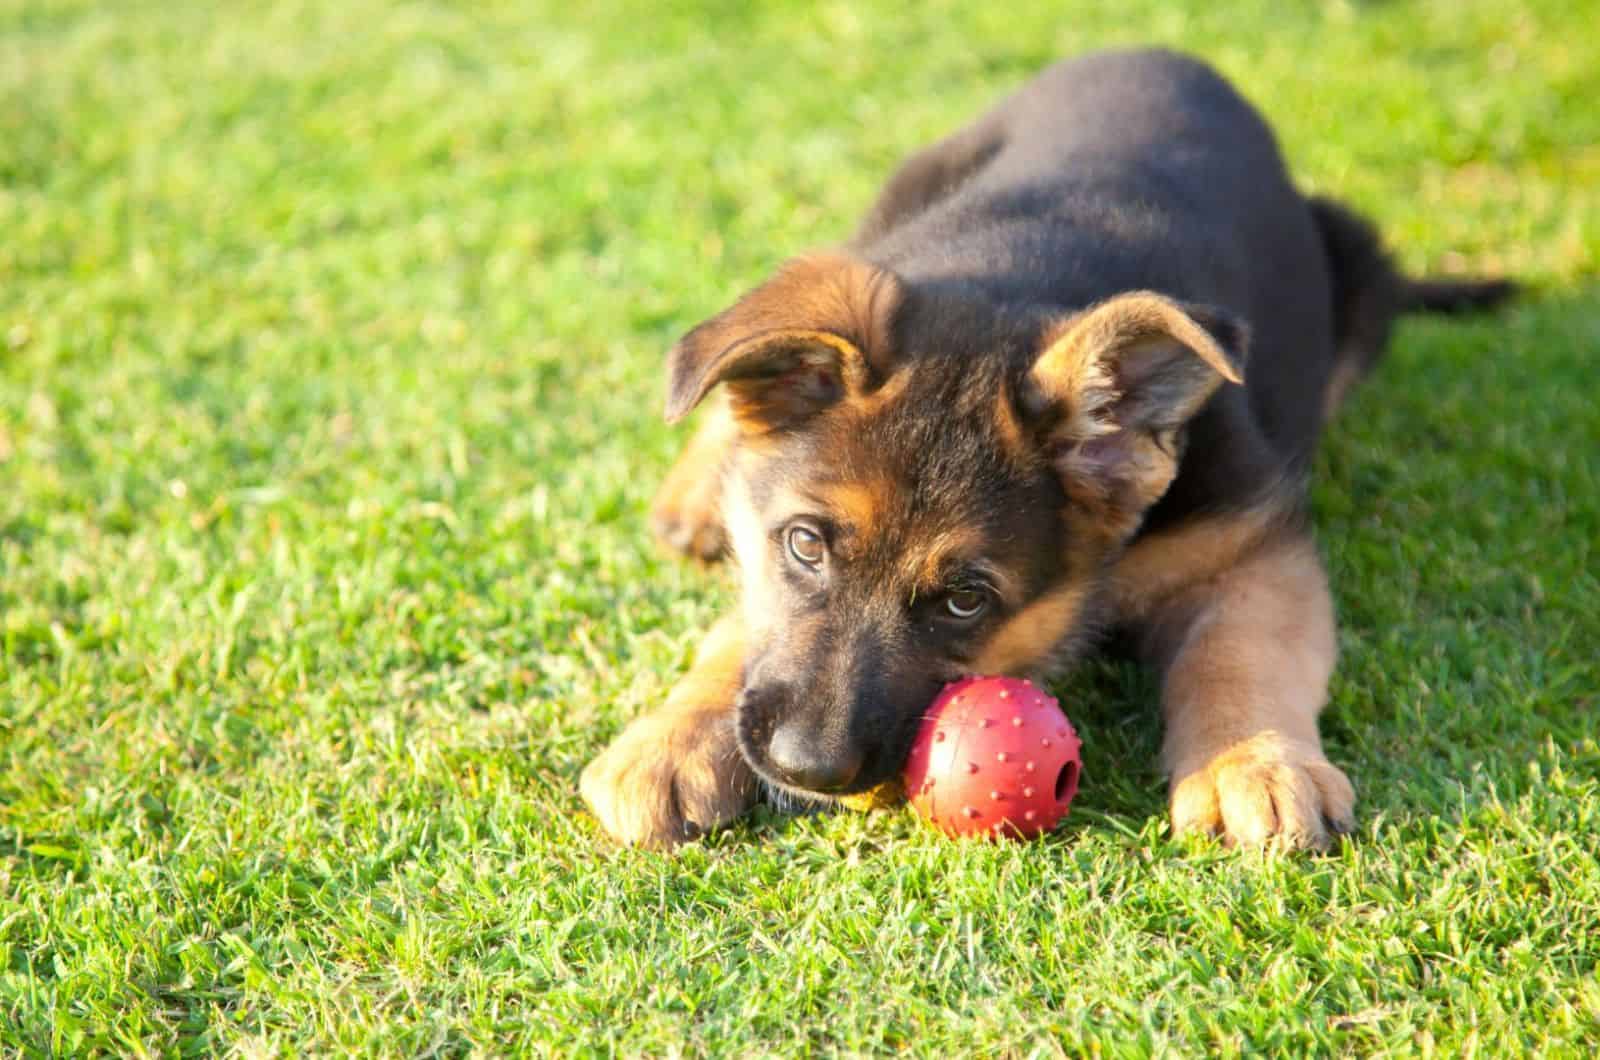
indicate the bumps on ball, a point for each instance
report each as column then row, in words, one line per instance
column 995, row 757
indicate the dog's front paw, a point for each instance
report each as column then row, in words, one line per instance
column 1267, row 790
column 686, row 515
column 687, row 511
column 669, row 779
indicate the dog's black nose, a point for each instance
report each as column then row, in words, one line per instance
column 808, row 763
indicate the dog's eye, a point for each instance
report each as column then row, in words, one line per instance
column 965, row 604
column 806, row 546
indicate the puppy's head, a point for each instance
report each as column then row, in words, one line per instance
column 927, row 485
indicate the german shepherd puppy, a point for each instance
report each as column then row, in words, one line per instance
column 1066, row 378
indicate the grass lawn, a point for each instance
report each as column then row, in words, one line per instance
column 330, row 354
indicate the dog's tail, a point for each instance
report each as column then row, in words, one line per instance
column 1455, row 296
column 1369, row 293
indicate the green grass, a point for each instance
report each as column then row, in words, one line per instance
column 330, row 341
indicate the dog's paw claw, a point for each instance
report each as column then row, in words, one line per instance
column 1265, row 791
column 665, row 782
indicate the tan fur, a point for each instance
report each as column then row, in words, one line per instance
column 830, row 360
column 1157, row 567
column 1247, row 652
column 1151, row 464
column 839, row 307
column 1019, row 445
column 1346, row 374
column 686, row 515
column 926, row 563
column 676, row 772
column 1141, row 316
column 874, row 401
column 1027, row 639
column 861, row 505
column 747, row 538
column 1078, row 365
column 1115, row 449
column 1073, row 373
column 1267, row 790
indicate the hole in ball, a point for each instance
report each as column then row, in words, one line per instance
column 1067, row 781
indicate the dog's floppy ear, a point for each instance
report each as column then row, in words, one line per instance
column 1112, row 387
column 817, row 331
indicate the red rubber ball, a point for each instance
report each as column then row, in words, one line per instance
column 996, row 757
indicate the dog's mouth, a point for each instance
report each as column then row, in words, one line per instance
column 754, row 731
column 880, row 763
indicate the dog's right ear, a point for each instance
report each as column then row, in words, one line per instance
column 1113, row 387
column 817, row 332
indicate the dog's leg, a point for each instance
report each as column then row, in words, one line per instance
column 677, row 772
column 686, row 514
column 1246, row 654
